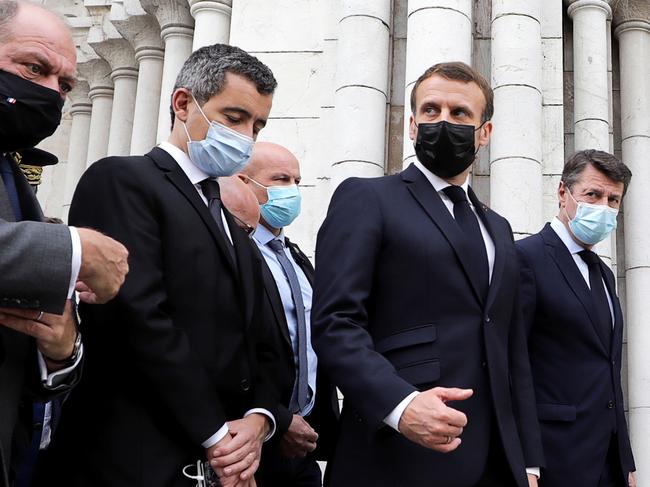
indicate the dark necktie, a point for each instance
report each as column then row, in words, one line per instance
column 210, row 189
column 10, row 187
column 598, row 295
column 300, row 396
column 468, row 222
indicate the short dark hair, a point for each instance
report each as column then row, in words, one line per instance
column 458, row 71
column 204, row 72
column 602, row 161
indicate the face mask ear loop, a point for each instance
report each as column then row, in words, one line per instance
column 476, row 130
column 189, row 139
column 200, row 109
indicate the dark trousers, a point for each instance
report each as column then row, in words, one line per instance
column 613, row 475
column 497, row 470
column 279, row 471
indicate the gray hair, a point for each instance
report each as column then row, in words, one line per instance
column 8, row 11
column 603, row 162
column 204, row 72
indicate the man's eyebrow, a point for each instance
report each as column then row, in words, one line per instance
column 245, row 113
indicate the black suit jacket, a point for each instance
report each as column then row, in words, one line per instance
column 576, row 372
column 396, row 311
column 176, row 353
column 324, row 415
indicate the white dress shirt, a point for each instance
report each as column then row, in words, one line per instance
column 196, row 175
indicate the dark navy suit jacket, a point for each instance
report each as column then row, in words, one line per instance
column 576, row 371
column 396, row 310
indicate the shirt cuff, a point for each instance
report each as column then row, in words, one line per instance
column 533, row 471
column 395, row 415
column 216, row 438
column 268, row 415
column 76, row 260
column 56, row 379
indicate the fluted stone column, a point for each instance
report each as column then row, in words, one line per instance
column 361, row 89
column 97, row 73
column 211, row 22
column 176, row 29
column 147, row 100
column 516, row 147
column 438, row 30
column 80, row 111
column 633, row 34
column 591, row 90
column 141, row 30
column 591, row 84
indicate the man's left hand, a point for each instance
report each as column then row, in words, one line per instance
column 532, row 480
column 241, row 456
column 631, row 479
column 54, row 334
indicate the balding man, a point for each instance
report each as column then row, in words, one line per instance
column 309, row 407
column 40, row 264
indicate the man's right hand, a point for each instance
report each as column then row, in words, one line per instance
column 428, row 421
column 103, row 267
column 299, row 439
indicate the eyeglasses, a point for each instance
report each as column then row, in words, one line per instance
column 248, row 229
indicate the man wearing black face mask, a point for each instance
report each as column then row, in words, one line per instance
column 415, row 314
column 40, row 264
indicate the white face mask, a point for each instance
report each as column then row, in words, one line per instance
column 592, row 223
column 223, row 152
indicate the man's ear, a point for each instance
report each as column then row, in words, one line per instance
column 413, row 129
column 245, row 179
column 181, row 101
column 484, row 134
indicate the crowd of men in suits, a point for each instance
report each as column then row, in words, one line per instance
column 212, row 349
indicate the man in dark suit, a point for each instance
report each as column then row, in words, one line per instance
column 415, row 312
column 176, row 363
column 40, row 264
column 308, row 413
column 575, row 329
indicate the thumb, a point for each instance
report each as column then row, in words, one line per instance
column 453, row 394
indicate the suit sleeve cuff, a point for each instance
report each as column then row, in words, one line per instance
column 76, row 260
column 533, row 471
column 395, row 415
column 216, row 438
column 57, row 379
column 266, row 413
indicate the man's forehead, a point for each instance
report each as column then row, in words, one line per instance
column 451, row 91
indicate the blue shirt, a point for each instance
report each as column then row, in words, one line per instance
column 262, row 237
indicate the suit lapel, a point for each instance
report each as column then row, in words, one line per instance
column 430, row 201
column 29, row 205
column 500, row 240
column 271, row 289
column 563, row 259
column 177, row 177
column 618, row 313
column 247, row 256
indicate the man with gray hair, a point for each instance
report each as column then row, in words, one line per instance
column 575, row 329
column 176, row 366
column 40, row 264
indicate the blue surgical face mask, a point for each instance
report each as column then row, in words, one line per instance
column 283, row 205
column 592, row 223
column 223, row 152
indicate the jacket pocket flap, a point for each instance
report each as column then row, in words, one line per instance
column 420, row 373
column 556, row 412
column 407, row 338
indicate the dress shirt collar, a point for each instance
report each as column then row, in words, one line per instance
column 562, row 232
column 263, row 235
column 437, row 182
column 193, row 173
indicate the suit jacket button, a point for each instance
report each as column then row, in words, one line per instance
column 487, row 319
column 245, row 386
column 16, row 301
column 610, row 405
column 484, row 364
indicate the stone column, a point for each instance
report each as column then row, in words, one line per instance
column 80, row 111
column 125, row 80
column 176, row 29
column 633, row 34
column 97, row 73
column 141, row 30
column 438, row 30
column 516, row 147
column 591, row 84
column 361, row 89
column 211, row 22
